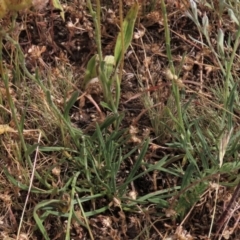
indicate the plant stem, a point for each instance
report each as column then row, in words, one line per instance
column 169, row 55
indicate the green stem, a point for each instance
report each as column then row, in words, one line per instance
column 122, row 39
column 97, row 23
column 169, row 55
column 229, row 67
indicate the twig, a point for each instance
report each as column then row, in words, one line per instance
column 227, row 212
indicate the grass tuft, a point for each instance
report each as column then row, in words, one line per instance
column 150, row 150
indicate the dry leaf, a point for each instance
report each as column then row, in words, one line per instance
column 56, row 171
column 39, row 5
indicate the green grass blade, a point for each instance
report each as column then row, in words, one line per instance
column 38, row 219
column 188, row 175
column 69, row 105
column 135, row 168
column 128, row 26
column 91, row 71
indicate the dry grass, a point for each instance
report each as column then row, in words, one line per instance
column 165, row 166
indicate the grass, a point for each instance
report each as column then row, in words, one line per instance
column 59, row 180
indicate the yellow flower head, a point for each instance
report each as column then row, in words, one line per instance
column 18, row 5
column 3, row 9
column 13, row 5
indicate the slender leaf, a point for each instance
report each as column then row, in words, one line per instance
column 128, row 27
